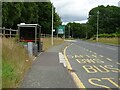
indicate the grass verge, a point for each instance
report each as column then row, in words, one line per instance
column 15, row 62
column 47, row 42
column 107, row 40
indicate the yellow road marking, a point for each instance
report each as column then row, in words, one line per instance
column 99, row 80
column 88, row 56
column 100, row 55
column 118, row 63
column 81, row 56
column 77, row 60
column 109, row 79
column 74, row 75
column 109, row 59
column 94, row 56
column 72, row 56
column 76, row 56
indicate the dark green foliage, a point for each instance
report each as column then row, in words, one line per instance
column 77, row 30
column 109, row 24
column 109, row 20
column 14, row 13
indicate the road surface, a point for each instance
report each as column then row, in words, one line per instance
column 95, row 64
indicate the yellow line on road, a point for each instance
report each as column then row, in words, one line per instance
column 74, row 75
column 88, row 56
column 118, row 63
column 100, row 55
column 94, row 56
column 81, row 56
column 90, row 51
column 77, row 60
column 109, row 59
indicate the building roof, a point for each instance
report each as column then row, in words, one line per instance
column 23, row 24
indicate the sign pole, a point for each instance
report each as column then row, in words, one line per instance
column 97, row 25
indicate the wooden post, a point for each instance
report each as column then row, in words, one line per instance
column 0, row 32
column 44, row 35
column 3, row 31
column 17, row 32
column 10, row 32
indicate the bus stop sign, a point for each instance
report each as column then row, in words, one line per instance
column 61, row 29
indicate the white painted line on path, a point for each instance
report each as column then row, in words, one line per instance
column 62, row 59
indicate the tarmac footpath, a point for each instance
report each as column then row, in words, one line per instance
column 48, row 72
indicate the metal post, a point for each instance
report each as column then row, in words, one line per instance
column 64, row 34
column 18, row 33
column 52, row 26
column 69, row 31
column 35, row 34
column 97, row 24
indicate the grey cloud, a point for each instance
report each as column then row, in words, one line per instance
column 72, row 18
column 77, row 10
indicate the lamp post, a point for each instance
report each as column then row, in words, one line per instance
column 52, row 27
column 97, row 25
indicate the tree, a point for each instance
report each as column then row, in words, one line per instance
column 109, row 18
column 77, row 30
column 14, row 13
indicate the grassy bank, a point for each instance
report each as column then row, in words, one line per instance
column 107, row 40
column 47, row 42
column 15, row 62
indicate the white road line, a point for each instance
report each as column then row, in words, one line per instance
column 109, row 59
column 118, row 63
column 95, row 53
column 100, row 55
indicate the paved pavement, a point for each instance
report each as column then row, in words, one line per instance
column 95, row 64
column 48, row 72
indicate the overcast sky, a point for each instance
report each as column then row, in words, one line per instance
column 77, row 10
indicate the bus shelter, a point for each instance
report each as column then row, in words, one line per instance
column 30, row 33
